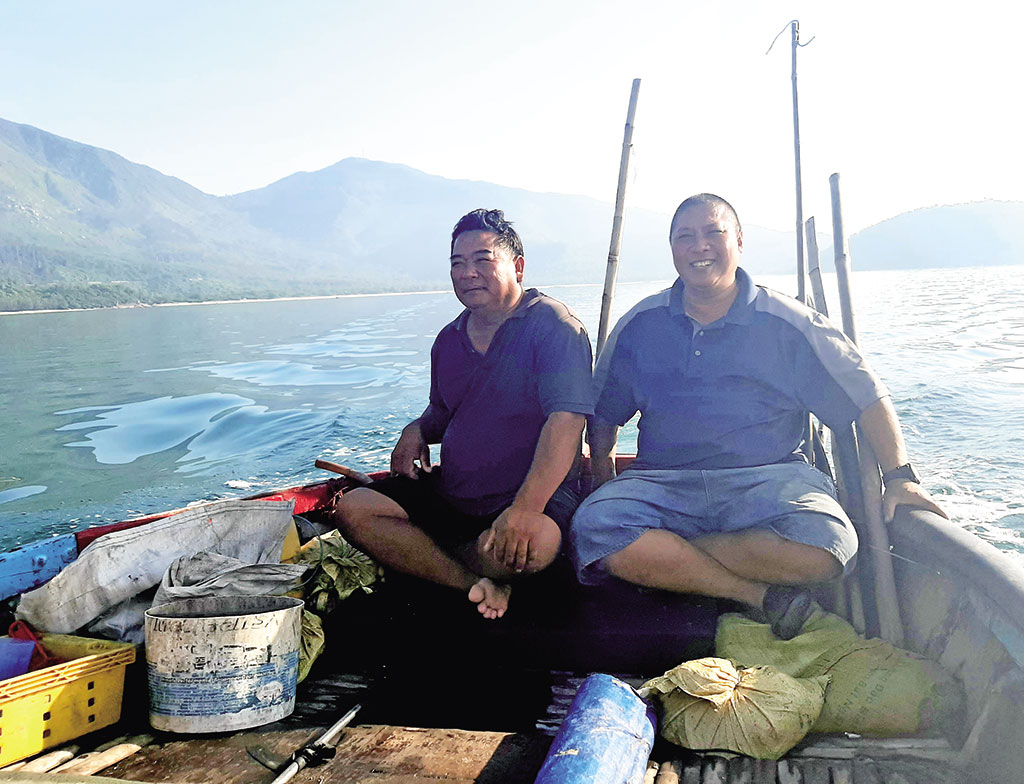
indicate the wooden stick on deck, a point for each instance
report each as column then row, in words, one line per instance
column 889, row 622
column 356, row 476
column 48, row 762
column 95, row 761
column 620, row 201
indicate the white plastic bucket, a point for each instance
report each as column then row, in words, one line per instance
column 222, row 663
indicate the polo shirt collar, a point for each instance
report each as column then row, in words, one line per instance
column 740, row 312
column 529, row 297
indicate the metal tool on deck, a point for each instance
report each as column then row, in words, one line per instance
column 319, row 751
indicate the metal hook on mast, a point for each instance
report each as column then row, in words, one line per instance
column 791, row 22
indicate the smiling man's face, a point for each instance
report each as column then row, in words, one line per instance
column 485, row 275
column 706, row 246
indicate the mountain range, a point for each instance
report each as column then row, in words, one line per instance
column 84, row 227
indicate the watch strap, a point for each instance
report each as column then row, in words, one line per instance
column 905, row 472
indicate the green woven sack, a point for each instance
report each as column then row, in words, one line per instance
column 874, row 687
column 710, row 705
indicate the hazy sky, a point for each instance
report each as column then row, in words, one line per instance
column 913, row 105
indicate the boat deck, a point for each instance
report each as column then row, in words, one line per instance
column 392, row 753
column 376, row 754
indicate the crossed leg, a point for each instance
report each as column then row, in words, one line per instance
column 737, row 566
column 381, row 527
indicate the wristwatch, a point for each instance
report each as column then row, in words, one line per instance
column 905, row 471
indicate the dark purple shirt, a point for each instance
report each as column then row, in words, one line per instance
column 487, row 410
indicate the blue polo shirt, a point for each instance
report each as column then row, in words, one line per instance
column 487, row 410
column 734, row 393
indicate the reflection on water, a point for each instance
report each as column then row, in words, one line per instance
column 122, row 434
column 111, row 413
column 278, row 373
column 20, row 492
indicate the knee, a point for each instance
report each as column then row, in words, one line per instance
column 355, row 510
column 544, row 549
column 822, row 567
column 545, row 544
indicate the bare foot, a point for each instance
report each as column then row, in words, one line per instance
column 491, row 598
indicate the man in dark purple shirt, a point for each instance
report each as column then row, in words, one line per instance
column 510, row 389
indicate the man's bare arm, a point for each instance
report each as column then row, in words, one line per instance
column 880, row 424
column 602, row 438
column 411, row 449
column 557, row 447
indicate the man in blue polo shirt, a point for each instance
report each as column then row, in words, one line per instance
column 720, row 500
column 510, row 390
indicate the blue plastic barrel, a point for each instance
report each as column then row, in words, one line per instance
column 605, row 738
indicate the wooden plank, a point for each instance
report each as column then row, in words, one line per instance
column 691, row 773
column 377, row 754
column 992, row 747
column 840, row 748
column 740, row 770
column 815, row 772
column 438, row 753
column 765, row 771
column 190, row 760
column 33, row 564
column 790, row 772
column 715, row 771
column 865, row 771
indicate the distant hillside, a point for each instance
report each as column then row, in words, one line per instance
column 393, row 217
column 956, row 235
column 84, row 227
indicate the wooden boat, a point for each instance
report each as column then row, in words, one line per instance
column 446, row 694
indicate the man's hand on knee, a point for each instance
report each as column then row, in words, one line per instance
column 521, row 540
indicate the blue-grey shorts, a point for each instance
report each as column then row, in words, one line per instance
column 794, row 500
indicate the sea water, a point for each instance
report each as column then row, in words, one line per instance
column 110, row 414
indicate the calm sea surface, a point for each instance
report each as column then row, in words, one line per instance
column 109, row 414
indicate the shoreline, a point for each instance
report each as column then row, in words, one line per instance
column 140, row 305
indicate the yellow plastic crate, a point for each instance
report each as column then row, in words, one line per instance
column 51, row 706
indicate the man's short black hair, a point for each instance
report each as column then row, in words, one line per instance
column 710, row 200
column 494, row 222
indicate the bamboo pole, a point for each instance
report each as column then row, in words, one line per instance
column 887, row 605
column 814, row 270
column 620, row 200
column 842, row 261
column 801, row 291
column 844, row 450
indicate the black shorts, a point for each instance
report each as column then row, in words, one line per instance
column 451, row 528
